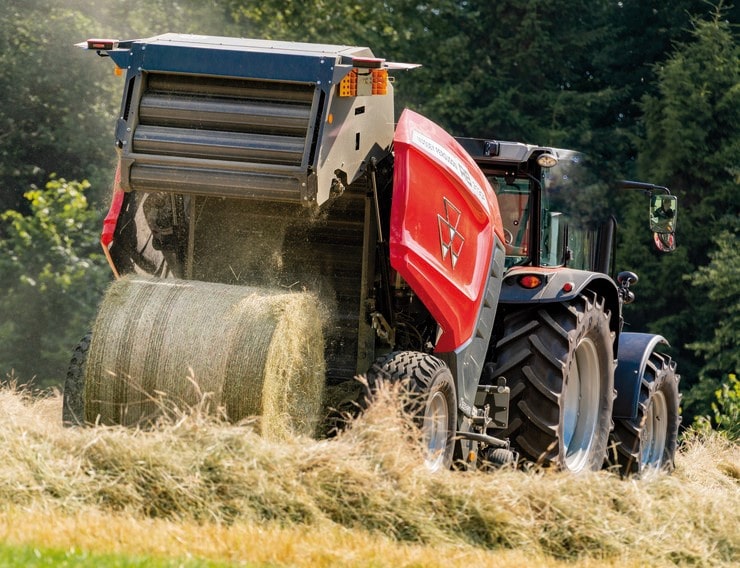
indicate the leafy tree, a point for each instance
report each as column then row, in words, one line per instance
column 55, row 105
column 718, row 283
column 52, row 275
column 691, row 140
column 59, row 104
column 725, row 410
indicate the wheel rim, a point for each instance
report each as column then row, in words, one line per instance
column 436, row 431
column 654, row 434
column 581, row 405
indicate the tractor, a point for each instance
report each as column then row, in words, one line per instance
column 456, row 267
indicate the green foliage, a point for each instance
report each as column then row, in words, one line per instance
column 55, row 105
column 59, row 103
column 727, row 407
column 692, row 138
column 718, row 282
column 725, row 410
column 52, row 277
column 36, row 557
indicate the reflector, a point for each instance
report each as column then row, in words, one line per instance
column 104, row 44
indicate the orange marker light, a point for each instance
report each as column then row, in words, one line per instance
column 380, row 82
column 530, row 281
column 348, row 85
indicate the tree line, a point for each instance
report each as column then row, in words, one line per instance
column 649, row 90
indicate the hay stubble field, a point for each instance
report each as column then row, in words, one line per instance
column 195, row 492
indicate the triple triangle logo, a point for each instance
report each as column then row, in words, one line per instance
column 450, row 239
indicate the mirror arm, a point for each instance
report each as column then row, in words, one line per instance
column 647, row 187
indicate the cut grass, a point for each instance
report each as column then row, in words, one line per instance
column 33, row 557
column 113, row 538
column 199, row 490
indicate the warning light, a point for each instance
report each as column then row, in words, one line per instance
column 530, row 281
column 348, row 85
column 102, row 44
column 380, row 82
column 364, row 81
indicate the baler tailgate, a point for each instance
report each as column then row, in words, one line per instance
column 252, row 136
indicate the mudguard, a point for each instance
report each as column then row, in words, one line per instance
column 444, row 218
column 634, row 352
column 562, row 284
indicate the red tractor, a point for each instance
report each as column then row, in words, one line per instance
column 455, row 267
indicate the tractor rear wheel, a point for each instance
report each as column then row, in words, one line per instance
column 73, row 402
column 646, row 444
column 428, row 383
column 558, row 361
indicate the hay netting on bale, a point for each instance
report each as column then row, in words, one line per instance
column 174, row 344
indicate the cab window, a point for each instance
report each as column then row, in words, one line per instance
column 513, row 201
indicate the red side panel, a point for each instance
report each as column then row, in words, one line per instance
column 443, row 219
column 109, row 223
column 111, row 219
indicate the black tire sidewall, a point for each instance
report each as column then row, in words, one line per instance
column 73, row 397
column 535, row 354
column 443, row 382
column 626, row 437
column 666, row 383
column 420, row 375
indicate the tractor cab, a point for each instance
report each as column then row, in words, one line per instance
column 553, row 213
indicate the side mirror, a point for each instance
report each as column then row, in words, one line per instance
column 663, row 214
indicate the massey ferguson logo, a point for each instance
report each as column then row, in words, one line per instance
column 450, row 239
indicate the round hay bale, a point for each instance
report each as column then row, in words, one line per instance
column 165, row 344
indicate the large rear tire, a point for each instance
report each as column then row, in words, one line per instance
column 646, row 445
column 558, row 361
column 432, row 400
column 73, row 401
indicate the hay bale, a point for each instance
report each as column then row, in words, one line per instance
column 165, row 344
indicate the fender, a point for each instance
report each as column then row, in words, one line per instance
column 563, row 284
column 634, row 352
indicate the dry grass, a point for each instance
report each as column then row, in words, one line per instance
column 251, row 351
column 195, row 488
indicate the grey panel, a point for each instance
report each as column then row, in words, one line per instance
column 220, row 136
column 228, row 87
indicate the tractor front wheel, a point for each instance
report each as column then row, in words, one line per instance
column 430, row 388
column 646, row 444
